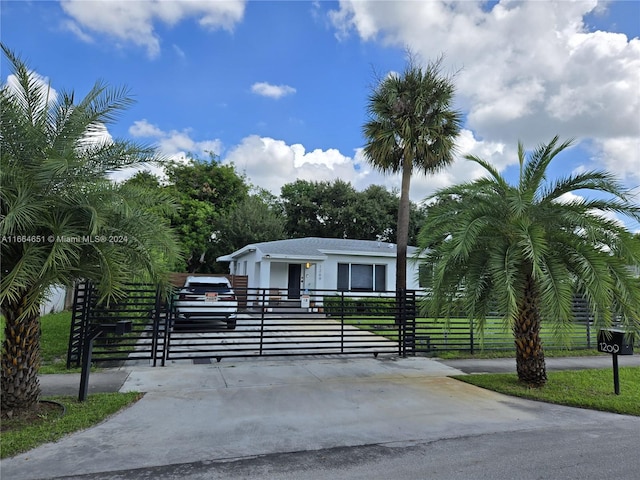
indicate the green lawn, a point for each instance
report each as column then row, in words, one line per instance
column 592, row 389
column 55, row 342
column 22, row 433
column 456, row 334
column 19, row 434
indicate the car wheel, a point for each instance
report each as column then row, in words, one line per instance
column 231, row 324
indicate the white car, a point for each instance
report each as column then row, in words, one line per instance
column 204, row 298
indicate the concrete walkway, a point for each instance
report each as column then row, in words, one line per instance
column 242, row 409
column 508, row 365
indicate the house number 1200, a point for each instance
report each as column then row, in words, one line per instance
column 605, row 347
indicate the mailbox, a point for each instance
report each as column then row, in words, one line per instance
column 123, row 327
column 120, row 327
column 614, row 341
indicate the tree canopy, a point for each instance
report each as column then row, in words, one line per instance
column 525, row 250
column 205, row 190
column 62, row 218
column 337, row 210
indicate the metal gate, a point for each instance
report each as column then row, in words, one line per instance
column 270, row 322
column 275, row 322
column 141, row 307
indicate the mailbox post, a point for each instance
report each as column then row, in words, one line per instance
column 613, row 341
column 93, row 332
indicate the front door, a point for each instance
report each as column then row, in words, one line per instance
column 295, row 272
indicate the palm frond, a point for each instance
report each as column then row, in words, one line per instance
column 487, row 241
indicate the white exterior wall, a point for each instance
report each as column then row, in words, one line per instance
column 55, row 301
column 264, row 272
column 279, row 275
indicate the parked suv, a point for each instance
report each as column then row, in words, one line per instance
column 204, row 298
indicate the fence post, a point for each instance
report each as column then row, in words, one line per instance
column 78, row 316
column 409, row 323
column 262, row 310
column 401, row 302
column 471, row 335
column 168, row 325
column 156, row 328
column 87, row 350
column 342, row 321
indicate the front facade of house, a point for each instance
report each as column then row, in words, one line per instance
column 296, row 265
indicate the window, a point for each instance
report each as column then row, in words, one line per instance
column 369, row 278
column 424, row 275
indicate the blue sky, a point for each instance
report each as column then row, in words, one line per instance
column 280, row 88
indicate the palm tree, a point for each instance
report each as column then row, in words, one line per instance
column 412, row 127
column 526, row 250
column 61, row 218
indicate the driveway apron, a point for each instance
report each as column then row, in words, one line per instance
column 246, row 408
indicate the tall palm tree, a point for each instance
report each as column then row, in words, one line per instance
column 412, row 127
column 525, row 250
column 61, row 218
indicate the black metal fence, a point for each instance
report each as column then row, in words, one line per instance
column 460, row 334
column 277, row 322
column 273, row 323
column 142, row 306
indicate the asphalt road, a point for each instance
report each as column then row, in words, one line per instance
column 607, row 448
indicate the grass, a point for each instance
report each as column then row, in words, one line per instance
column 26, row 430
column 455, row 335
column 20, row 434
column 55, row 342
column 592, row 389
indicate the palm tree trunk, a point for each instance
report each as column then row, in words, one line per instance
column 401, row 243
column 529, row 353
column 20, row 361
column 403, row 228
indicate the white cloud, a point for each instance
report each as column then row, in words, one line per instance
column 273, row 91
column 134, row 21
column 142, row 128
column 528, row 70
column 462, row 170
column 175, row 144
column 49, row 94
column 620, row 154
column 271, row 163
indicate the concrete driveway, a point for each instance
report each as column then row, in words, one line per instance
column 276, row 334
column 363, row 414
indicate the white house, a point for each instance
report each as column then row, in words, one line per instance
column 56, row 300
column 314, row 263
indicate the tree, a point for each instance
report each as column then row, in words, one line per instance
column 61, row 218
column 336, row 210
column 318, row 209
column 527, row 249
column 205, row 190
column 412, row 127
column 252, row 220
